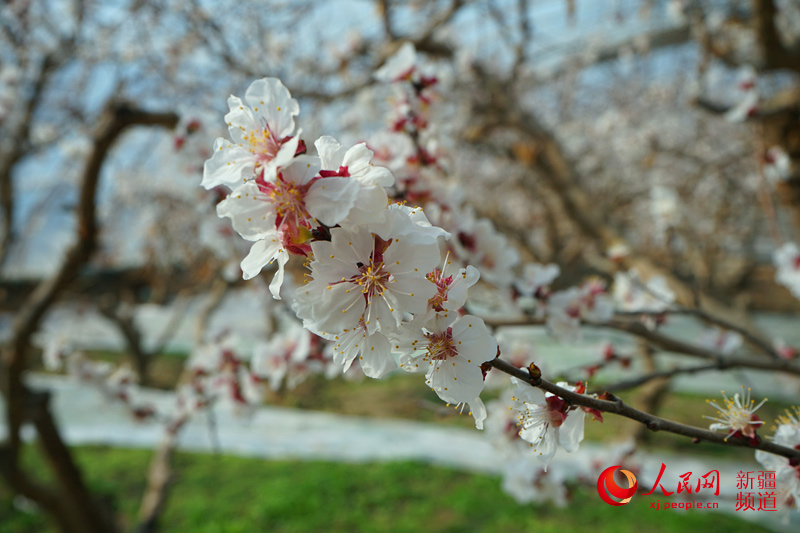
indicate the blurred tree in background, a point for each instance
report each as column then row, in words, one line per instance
column 632, row 141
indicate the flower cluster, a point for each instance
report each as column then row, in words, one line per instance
column 376, row 285
column 283, row 200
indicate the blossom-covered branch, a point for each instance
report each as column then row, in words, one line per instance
column 616, row 406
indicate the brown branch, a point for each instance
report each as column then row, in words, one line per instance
column 782, row 104
column 42, row 495
column 200, row 19
column 113, row 122
column 669, row 344
column 773, row 52
column 657, row 38
column 18, row 140
column 616, row 406
column 653, row 395
column 386, row 18
column 160, row 475
column 159, row 480
column 526, row 35
column 710, row 106
column 172, row 325
column 754, row 340
column 218, row 291
column 322, row 96
column 85, row 512
column 116, row 119
column 99, row 284
column 425, row 41
column 133, row 338
column 122, row 317
column 641, row 380
column 69, row 506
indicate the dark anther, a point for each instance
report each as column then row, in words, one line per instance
column 322, row 233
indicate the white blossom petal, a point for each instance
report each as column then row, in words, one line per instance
column 251, row 216
column 229, row 165
column 329, row 200
column 570, row 434
column 271, row 100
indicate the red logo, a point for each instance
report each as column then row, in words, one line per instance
column 606, row 485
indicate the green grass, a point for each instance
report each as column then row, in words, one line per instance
column 232, row 494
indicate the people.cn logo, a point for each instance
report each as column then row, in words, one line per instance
column 606, row 485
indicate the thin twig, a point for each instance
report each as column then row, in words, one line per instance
column 755, row 340
column 669, row 344
column 641, row 380
column 616, row 406
column 159, row 480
